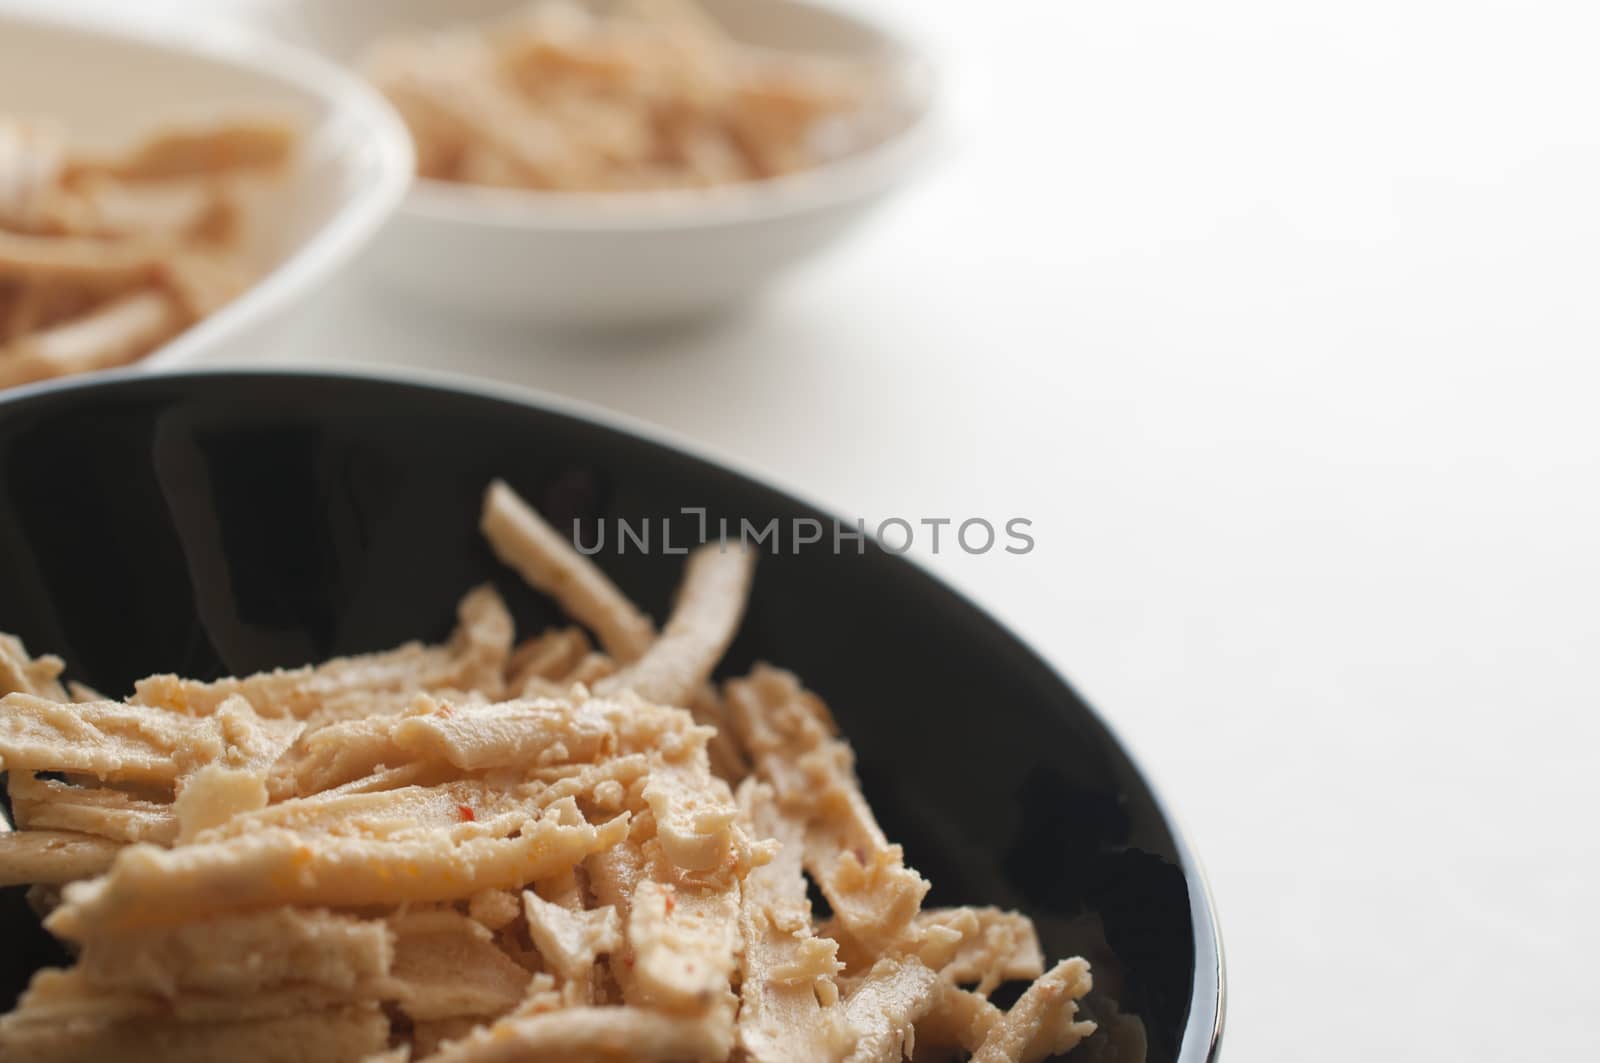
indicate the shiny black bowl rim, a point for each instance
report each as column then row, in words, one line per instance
column 1202, row 1037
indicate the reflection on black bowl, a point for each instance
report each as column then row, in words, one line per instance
column 222, row 523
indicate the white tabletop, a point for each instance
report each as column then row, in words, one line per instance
column 1279, row 321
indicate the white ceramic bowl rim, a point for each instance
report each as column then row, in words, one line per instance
column 847, row 178
column 349, row 228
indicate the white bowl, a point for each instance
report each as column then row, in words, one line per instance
column 105, row 79
column 577, row 260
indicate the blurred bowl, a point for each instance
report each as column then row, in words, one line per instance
column 626, row 259
column 104, row 77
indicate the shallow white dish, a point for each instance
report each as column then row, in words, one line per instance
column 105, row 79
column 576, row 260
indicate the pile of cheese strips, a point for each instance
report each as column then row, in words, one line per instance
column 489, row 850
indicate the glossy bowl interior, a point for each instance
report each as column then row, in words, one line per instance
column 221, row 523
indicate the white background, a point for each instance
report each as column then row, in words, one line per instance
column 1280, row 321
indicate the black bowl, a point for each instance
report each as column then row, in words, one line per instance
column 226, row 522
